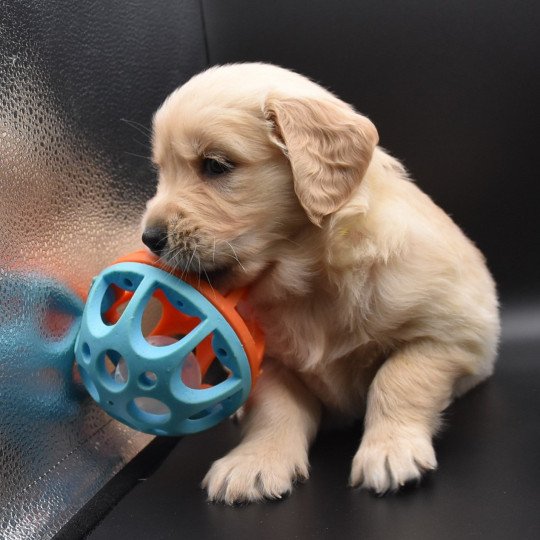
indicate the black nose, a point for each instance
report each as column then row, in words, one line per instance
column 155, row 238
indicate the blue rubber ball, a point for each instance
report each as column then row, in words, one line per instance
column 152, row 384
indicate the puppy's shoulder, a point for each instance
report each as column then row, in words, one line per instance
column 373, row 225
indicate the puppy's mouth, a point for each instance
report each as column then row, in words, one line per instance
column 216, row 276
column 216, row 273
column 197, row 268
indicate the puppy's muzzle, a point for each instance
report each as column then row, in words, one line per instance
column 156, row 239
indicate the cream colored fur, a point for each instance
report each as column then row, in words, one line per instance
column 373, row 301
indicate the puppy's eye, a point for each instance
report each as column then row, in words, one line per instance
column 213, row 167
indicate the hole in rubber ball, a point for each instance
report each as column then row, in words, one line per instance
column 216, row 373
column 191, row 372
column 221, row 352
column 86, row 352
column 216, row 409
column 128, row 283
column 113, row 370
column 161, row 341
column 201, row 414
column 148, row 379
column 152, row 315
column 150, row 410
column 115, row 301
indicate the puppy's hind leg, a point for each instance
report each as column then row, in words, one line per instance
column 405, row 400
column 281, row 421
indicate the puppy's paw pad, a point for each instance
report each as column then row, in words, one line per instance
column 247, row 475
column 386, row 463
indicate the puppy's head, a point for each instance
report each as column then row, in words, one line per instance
column 248, row 155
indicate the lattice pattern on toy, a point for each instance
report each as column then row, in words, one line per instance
column 143, row 382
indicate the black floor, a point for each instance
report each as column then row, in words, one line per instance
column 487, row 485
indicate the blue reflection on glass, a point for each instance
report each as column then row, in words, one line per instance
column 39, row 321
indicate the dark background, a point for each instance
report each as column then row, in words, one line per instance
column 453, row 88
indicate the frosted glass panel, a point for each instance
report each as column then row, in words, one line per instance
column 78, row 84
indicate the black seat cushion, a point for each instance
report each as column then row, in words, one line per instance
column 487, row 484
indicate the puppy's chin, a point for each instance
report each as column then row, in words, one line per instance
column 228, row 278
column 221, row 278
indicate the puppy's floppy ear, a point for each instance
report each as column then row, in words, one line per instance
column 328, row 145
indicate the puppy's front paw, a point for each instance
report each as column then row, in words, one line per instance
column 386, row 461
column 254, row 472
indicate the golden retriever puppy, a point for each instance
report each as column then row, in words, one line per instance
column 373, row 301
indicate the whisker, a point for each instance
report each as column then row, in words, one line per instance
column 236, row 256
column 137, row 126
column 208, row 279
column 184, row 269
column 144, row 145
column 164, row 258
column 173, row 258
column 190, row 260
column 139, row 155
column 174, row 248
column 230, row 256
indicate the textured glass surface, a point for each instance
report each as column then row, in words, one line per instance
column 78, row 83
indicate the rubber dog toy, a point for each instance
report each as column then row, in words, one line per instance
column 160, row 383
